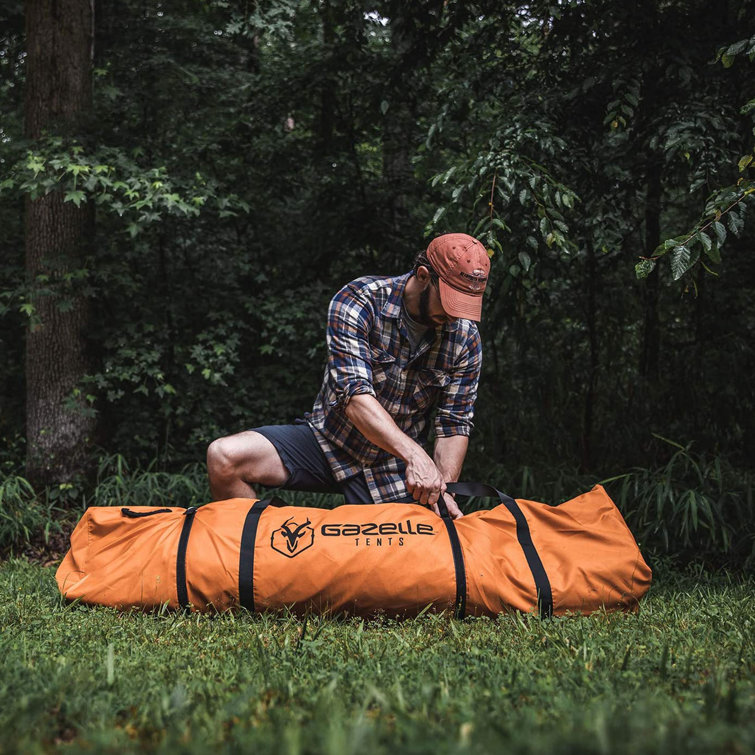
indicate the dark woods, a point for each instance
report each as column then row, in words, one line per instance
column 184, row 188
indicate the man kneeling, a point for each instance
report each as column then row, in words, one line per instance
column 399, row 348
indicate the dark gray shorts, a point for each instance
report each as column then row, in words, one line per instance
column 308, row 466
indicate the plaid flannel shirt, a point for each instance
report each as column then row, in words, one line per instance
column 369, row 352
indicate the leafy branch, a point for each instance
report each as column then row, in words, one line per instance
column 499, row 178
column 114, row 180
column 684, row 255
column 729, row 202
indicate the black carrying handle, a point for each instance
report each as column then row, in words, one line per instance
column 479, row 489
column 542, row 583
column 139, row 514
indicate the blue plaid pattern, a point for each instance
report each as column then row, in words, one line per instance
column 369, row 352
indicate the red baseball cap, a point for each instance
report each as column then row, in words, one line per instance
column 462, row 264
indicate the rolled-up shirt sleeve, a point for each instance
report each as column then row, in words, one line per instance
column 350, row 319
column 456, row 402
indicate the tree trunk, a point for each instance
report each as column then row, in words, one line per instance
column 58, row 100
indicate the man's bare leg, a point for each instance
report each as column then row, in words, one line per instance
column 236, row 462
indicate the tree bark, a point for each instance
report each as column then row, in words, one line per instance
column 58, row 101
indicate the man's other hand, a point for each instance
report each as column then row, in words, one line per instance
column 453, row 508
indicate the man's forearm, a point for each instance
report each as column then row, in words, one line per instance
column 424, row 479
column 449, row 455
column 374, row 422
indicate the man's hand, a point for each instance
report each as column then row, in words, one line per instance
column 451, row 505
column 423, row 479
column 425, row 482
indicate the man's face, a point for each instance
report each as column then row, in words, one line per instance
column 431, row 312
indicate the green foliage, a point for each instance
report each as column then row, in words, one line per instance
column 506, row 181
column 119, row 484
column 116, row 182
column 23, row 516
column 294, row 317
column 675, row 678
column 31, row 517
column 727, row 55
column 728, row 204
column 691, row 506
column 688, row 506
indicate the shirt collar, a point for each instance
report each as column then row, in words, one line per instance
column 392, row 306
column 394, row 303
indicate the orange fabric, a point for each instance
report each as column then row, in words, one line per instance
column 393, row 558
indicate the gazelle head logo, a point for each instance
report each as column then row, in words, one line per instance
column 291, row 538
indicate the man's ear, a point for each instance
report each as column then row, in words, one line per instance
column 423, row 275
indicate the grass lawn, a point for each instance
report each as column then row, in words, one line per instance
column 678, row 677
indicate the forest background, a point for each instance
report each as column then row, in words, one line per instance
column 185, row 184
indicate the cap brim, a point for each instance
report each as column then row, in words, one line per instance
column 457, row 304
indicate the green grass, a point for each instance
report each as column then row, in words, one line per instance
column 678, row 677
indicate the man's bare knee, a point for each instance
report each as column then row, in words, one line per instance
column 247, row 457
column 219, row 463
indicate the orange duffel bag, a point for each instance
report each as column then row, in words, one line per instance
column 387, row 558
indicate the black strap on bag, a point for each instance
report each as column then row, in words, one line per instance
column 460, row 604
column 542, row 583
column 246, row 552
column 183, row 543
column 246, row 555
